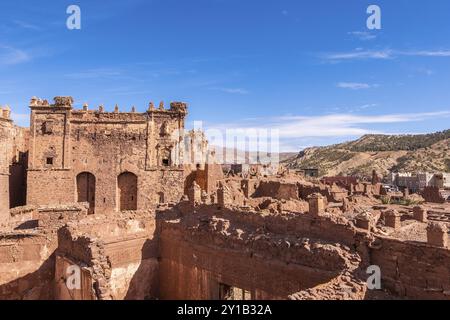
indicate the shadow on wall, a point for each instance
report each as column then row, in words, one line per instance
column 189, row 181
column 18, row 181
column 144, row 283
column 37, row 285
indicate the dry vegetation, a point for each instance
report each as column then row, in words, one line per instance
column 428, row 152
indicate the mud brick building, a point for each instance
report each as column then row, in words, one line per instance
column 5, row 128
column 115, row 161
column 13, row 163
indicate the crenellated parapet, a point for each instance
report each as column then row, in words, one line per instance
column 59, row 125
column 176, row 109
column 59, row 102
column 5, row 113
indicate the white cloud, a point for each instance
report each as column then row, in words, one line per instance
column 439, row 53
column 366, row 106
column 94, row 73
column 11, row 56
column 232, row 90
column 363, row 35
column 361, row 54
column 293, row 129
column 26, row 25
column 356, row 85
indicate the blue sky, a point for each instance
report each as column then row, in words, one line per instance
column 311, row 69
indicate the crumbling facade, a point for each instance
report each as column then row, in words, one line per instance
column 13, row 163
column 113, row 160
column 5, row 125
column 420, row 180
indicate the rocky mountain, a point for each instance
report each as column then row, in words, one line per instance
column 384, row 153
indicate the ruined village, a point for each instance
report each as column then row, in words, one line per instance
column 109, row 194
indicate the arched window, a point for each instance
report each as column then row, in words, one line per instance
column 127, row 191
column 86, row 189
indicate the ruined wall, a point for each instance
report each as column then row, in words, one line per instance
column 27, row 246
column 413, row 270
column 277, row 190
column 194, row 271
column 270, row 257
column 122, row 265
column 13, row 161
column 26, row 266
column 332, row 193
column 432, row 194
column 66, row 143
column 5, row 143
column 206, row 176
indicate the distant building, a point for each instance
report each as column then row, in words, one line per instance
column 419, row 181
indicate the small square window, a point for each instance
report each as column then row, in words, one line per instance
column 50, row 161
column 165, row 162
column 47, row 127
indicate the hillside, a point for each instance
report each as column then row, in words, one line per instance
column 384, row 153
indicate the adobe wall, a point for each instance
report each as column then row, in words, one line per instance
column 272, row 256
column 122, row 265
column 26, row 266
column 50, row 187
column 27, row 246
column 432, row 194
column 277, row 190
column 4, row 197
column 207, row 177
column 5, row 144
column 413, row 270
column 245, row 249
column 13, row 161
column 195, row 271
column 66, row 143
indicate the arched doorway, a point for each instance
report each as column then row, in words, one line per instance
column 127, row 191
column 86, row 189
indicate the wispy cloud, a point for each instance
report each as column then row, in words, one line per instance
column 363, row 35
column 293, row 132
column 355, row 85
column 26, row 25
column 382, row 54
column 366, row 106
column 232, row 90
column 94, row 73
column 360, row 55
column 11, row 56
column 293, row 129
column 425, row 71
column 438, row 53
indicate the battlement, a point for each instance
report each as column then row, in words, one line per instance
column 5, row 113
column 59, row 102
column 176, row 108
